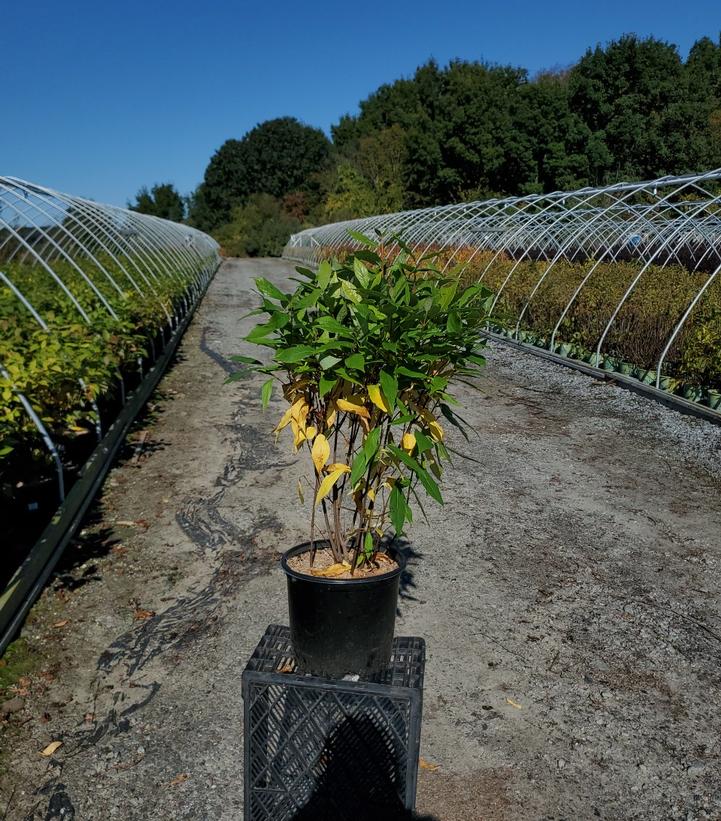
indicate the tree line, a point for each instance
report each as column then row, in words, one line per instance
column 632, row 109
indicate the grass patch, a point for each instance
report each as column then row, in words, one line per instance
column 17, row 662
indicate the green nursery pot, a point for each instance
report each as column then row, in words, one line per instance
column 713, row 399
column 668, row 383
column 626, row 368
column 647, row 377
column 692, row 393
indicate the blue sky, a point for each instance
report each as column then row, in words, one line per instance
column 102, row 97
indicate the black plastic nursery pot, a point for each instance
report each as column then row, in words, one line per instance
column 342, row 627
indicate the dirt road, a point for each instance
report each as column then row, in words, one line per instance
column 568, row 592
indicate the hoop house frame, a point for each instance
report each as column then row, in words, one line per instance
column 637, row 239
column 93, row 302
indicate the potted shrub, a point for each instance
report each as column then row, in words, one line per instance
column 364, row 350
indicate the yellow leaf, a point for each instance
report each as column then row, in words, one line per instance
column 371, row 494
column 320, row 452
column 408, row 442
column 334, row 570
column 330, row 418
column 292, row 388
column 300, row 492
column 337, row 466
column 436, row 431
column 284, row 421
column 376, row 396
column 327, row 484
column 310, row 432
column 298, row 434
column 296, row 409
column 51, row 748
column 427, row 765
column 352, row 407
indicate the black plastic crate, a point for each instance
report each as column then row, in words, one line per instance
column 322, row 749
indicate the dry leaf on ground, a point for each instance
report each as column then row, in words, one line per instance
column 140, row 614
column 179, row 779
column 51, row 748
column 427, row 765
column 514, row 704
column 61, row 623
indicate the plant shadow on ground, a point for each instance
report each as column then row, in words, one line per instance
column 358, row 776
column 407, row 582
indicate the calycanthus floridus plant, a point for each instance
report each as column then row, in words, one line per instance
column 365, row 350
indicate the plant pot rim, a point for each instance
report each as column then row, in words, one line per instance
column 303, row 547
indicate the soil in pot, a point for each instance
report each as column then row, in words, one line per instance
column 325, row 566
column 341, row 626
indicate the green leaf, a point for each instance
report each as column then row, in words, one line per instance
column 446, row 294
column 356, row 361
column 325, row 272
column 412, row 374
column 368, row 544
column 371, row 444
column 329, row 361
column 309, row 300
column 365, row 456
column 454, row 420
column 260, row 332
column 295, row 354
column 389, row 386
column 423, row 442
column 350, row 292
column 424, row 477
column 236, row 377
column 358, row 468
column 361, row 272
column 268, row 289
column 453, row 323
column 362, row 238
column 248, row 360
column 328, row 323
column 397, row 506
column 266, row 391
column 368, row 256
column 326, row 385
column 349, row 376
column 476, row 359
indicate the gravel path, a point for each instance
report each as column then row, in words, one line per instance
column 568, row 592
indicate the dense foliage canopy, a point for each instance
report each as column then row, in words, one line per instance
column 162, row 200
column 276, row 157
column 632, row 109
column 365, row 352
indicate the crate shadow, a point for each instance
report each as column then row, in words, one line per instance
column 357, row 777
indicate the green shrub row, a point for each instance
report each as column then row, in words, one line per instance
column 640, row 331
column 64, row 370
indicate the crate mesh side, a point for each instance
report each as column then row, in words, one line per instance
column 317, row 753
column 274, row 653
